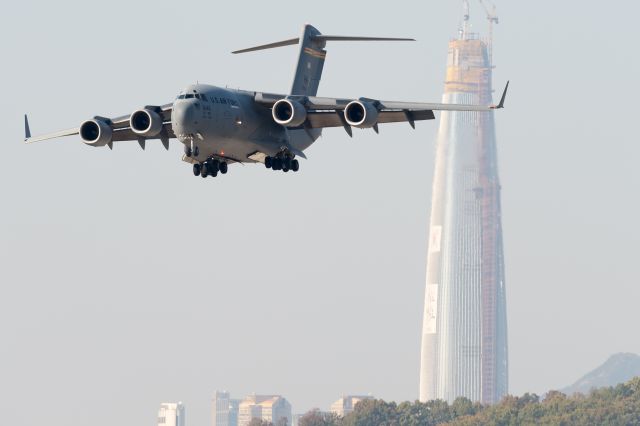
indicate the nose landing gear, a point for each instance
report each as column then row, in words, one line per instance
column 191, row 151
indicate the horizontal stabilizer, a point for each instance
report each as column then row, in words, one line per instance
column 319, row 38
column 350, row 38
column 289, row 42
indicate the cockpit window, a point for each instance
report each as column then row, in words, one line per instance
column 197, row 96
column 188, row 96
column 181, row 97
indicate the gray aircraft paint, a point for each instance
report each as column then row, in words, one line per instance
column 306, row 81
column 229, row 130
column 310, row 63
column 237, row 126
column 239, row 130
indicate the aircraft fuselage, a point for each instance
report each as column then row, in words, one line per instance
column 225, row 123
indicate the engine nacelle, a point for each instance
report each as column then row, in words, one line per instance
column 146, row 122
column 361, row 114
column 289, row 113
column 96, row 132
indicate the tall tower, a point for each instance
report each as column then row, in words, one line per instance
column 464, row 334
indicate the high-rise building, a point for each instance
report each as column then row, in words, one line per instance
column 272, row 408
column 234, row 411
column 347, row 403
column 171, row 414
column 224, row 410
column 464, row 334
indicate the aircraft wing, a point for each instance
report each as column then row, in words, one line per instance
column 329, row 112
column 321, row 119
column 122, row 129
column 120, row 125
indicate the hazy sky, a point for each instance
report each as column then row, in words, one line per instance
column 126, row 282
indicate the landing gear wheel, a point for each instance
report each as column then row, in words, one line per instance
column 286, row 163
column 187, row 151
column 277, row 164
column 205, row 170
column 196, row 169
column 268, row 162
column 223, row 168
column 295, row 166
column 196, row 151
column 214, row 166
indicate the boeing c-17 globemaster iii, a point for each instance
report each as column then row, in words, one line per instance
column 220, row 126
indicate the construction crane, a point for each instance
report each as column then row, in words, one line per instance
column 492, row 17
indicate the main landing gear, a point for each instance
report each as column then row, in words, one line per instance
column 211, row 167
column 282, row 163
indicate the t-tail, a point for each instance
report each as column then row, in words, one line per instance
column 311, row 57
column 308, row 73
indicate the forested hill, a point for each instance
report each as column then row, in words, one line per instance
column 617, row 369
column 619, row 405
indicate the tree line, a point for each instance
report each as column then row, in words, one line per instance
column 619, row 405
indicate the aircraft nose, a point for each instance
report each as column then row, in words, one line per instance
column 184, row 117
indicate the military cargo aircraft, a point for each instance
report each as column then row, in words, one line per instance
column 220, row 126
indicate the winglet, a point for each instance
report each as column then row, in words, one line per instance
column 27, row 131
column 504, row 95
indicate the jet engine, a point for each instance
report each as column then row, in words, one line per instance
column 146, row 123
column 361, row 114
column 289, row 113
column 96, row 132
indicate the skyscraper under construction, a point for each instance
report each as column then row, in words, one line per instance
column 464, row 335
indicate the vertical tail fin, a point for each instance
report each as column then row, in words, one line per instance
column 310, row 63
column 311, row 56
